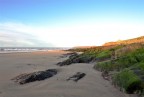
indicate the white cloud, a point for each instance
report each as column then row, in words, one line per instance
column 86, row 33
column 18, row 35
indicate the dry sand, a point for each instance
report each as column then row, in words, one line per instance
column 92, row 85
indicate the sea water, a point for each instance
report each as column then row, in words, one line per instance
column 29, row 49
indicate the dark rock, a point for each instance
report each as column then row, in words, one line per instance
column 35, row 76
column 76, row 58
column 76, row 77
column 66, row 62
column 72, row 59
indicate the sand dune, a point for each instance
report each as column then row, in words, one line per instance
column 92, row 85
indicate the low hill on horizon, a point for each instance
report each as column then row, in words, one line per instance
column 119, row 42
column 128, row 41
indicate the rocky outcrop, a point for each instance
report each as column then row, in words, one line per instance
column 76, row 77
column 34, row 76
column 72, row 59
column 75, row 58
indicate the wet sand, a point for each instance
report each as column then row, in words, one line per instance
column 92, row 85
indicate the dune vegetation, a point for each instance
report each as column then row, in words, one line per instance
column 121, row 62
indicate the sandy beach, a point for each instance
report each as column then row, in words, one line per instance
column 13, row 64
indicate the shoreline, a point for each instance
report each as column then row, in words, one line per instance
column 27, row 51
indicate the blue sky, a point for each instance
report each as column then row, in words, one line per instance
column 69, row 22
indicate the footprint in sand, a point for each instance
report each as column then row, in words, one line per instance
column 31, row 64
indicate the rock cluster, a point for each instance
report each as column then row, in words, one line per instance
column 34, row 76
column 75, row 58
column 72, row 59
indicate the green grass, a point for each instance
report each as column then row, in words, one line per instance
column 128, row 80
column 104, row 54
column 104, row 66
column 124, row 61
column 129, row 65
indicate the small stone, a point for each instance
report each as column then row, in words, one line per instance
column 76, row 77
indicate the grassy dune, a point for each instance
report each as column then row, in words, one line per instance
column 122, row 63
